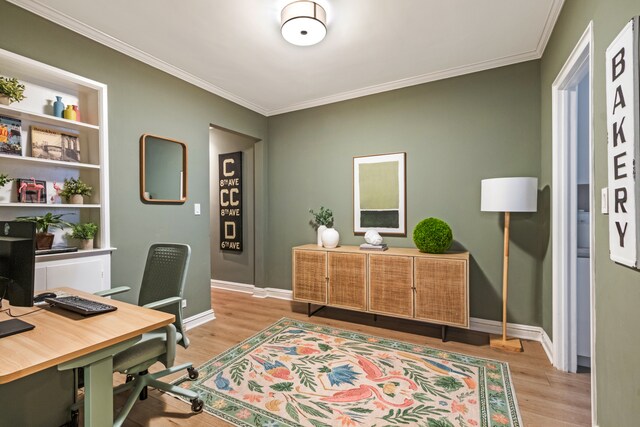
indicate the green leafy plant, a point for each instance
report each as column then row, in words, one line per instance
column 322, row 217
column 432, row 235
column 4, row 179
column 46, row 221
column 12, row 89
column 84, row 231
column 74, row 186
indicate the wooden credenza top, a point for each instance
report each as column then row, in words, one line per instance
column 391, row 251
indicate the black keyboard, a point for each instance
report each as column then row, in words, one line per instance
column 80, row 305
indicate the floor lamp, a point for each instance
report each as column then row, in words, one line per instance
column 508, row 195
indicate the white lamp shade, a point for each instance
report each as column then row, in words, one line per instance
column 509, row 195
column 303, row 23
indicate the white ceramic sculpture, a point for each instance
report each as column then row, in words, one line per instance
column 372, row 237
column 330, row 238
column 321, row 229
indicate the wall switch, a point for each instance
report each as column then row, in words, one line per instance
column 604, row 200
column 196, row 209
column 184, row 303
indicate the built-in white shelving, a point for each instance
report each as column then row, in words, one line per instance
column 87, row 270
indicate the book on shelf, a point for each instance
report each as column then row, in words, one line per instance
column 10, row 136
column 370, row 247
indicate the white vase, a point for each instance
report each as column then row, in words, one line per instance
column 86, row 244
column 330, row 238
column 4, row 100
column 321, row 229
column 76, row 199
column 6, row 193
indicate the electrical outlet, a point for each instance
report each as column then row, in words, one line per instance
column 184, row 303
column 196, row 209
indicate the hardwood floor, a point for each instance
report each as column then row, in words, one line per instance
column 546, row 397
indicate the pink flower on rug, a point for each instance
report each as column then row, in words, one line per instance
column 251, row 398
column 336, row 331
column 252, row 375
column 472, row 422
column 396, row 372
column 500, row 419
column 384, row 356
column 473, row 401
column 219, row 404
column 417, row 349
column 246, row 346
column 268, row 378
column 491, row 366
column 495, row 388
column 458, row 407
column 380, row 405
column 346, row 420
column 217, row 364
column 244, row 414
column 494, row 375
column 372, row 339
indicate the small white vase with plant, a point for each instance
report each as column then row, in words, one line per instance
column 5, row 193
column 85, row 233
column 11, row 90
column 322, row 220
column 74, row 189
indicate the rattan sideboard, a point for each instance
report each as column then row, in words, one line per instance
column 399, row 282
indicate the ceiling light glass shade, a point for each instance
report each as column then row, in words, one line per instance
column 304, row 23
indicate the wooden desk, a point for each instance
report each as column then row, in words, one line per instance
column 68, row 340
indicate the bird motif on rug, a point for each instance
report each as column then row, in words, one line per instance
column 275, row 369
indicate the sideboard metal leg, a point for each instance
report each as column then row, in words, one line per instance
column 444, row 333
column 311, row 313
column 308, row 309
column 375, row 317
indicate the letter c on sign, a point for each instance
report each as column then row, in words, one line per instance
column 224, row 167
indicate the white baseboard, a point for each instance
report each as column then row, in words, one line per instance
column 533, row 333
column 198, row 319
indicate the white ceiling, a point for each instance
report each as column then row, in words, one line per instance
column 234, row 48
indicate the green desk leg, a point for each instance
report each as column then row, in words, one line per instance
column 98, row 383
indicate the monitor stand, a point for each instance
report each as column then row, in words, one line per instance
column 14, row 326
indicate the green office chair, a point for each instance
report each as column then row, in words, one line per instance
column 162, row 286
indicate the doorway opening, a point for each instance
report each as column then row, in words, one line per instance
column 573, row 213
column 228, row 264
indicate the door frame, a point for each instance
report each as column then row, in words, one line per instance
column 564, row 204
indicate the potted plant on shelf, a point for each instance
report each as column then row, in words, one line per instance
column 44, row 239
column 85, row 233
column 74, row 189
column 11, row 90
column 5, row 194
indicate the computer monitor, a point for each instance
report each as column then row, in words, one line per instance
column 17, row 262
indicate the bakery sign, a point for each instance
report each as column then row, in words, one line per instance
column 623, row 146
column 230, row 197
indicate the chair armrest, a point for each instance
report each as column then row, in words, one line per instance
column 112, row 291
column 163, row 302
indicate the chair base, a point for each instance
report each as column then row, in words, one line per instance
column 138, row 383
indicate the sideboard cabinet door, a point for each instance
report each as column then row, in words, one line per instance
column 391, row 285
column 310, row 276
column 347, row 280
column 441, row 291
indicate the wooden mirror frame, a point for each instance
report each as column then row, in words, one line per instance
column 143, row 143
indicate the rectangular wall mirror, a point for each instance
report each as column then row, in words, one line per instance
column 163, row 170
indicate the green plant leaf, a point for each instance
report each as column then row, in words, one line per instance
column 291, row 410
column 254, row 386
column 449, row 384
column 317, row 423
column 311, row 411
column 282, row 386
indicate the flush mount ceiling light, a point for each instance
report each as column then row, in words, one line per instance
column 304, row 23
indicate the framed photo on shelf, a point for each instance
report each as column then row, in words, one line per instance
column 54, row 145
column 10, row 136
column 31, row 190
column 380, row 194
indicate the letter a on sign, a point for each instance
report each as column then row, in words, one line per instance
column 623, row 142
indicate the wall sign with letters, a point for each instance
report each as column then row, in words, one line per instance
column 623, row 142
column 230, row 183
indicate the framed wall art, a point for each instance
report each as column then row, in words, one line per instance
column 54, row 145
column 379, row 194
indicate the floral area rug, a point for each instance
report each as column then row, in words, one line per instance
column 296, row 373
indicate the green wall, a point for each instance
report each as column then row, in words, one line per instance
column 141, row 100
column 455, row 133
column 617, row 287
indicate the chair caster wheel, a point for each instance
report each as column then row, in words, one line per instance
column 197, row 404
column 75, row 419
column 193, row 373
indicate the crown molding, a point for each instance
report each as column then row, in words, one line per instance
column 46, row 12
column 40, row 9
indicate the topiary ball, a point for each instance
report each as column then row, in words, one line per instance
column 432, row 235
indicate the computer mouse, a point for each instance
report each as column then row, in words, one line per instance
column 42, row 296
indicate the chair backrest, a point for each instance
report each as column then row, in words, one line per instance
column 164, row 276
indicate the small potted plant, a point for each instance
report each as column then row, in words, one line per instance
column 322, row 221
column 11, row 90
column 85, row 233
column 44, row 239
column 5, row 195
column 74, row 189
